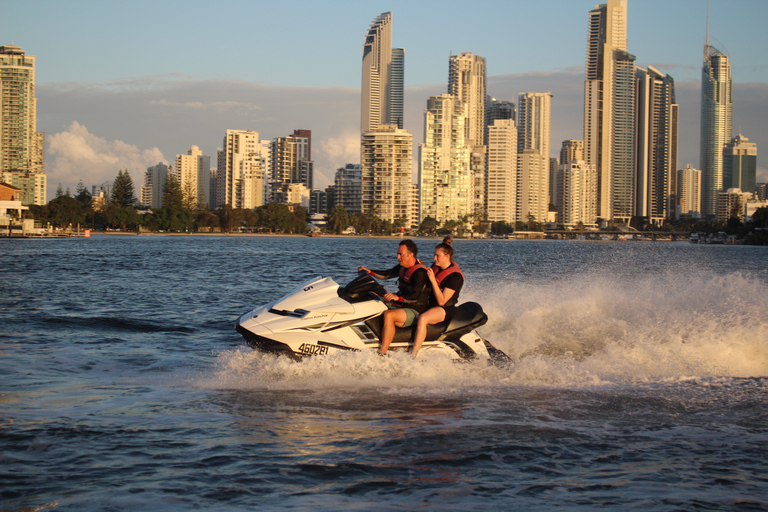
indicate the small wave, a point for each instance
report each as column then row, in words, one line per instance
column 115, row 323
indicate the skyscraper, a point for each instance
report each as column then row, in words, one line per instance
column 240, row 168
column 716, row 124
column 386, row 176
column 533, row 134
column 607, row 34
column 689, row 192
column 502, row 171
column 445, row 182
column 21, row 145
column 193, row 172
column 740, row 164
column 657, row 127
column 383, row 68
column 467, row 83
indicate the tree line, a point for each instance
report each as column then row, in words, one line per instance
column 181, row 213
column 177, row 214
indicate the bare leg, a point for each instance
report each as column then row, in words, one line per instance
column 392, row 318
column 429, row 317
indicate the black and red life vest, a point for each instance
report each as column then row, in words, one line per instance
column 442, row 273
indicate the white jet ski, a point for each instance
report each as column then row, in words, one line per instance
column 319, row 317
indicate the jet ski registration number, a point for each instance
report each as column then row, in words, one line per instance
column 310, row 349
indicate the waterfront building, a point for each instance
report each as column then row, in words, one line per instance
column 740, row 164
column 387, row 154
column 11, row 207
column 532, row 186
column 497, row 109
column 291, row 162
column 607, row 34
column 716, row 123
column 446, row 184
column 576, row 187
column 467, row 83
column 318, row 201
column 689, row 192
column 731, row 203
column 533, row 138
column 656, row 146
column 383, row 75
column 152, row 190
column 622, row 168
column 193, row 172
column 502, row 171
column 239, row 164
column 22, row 147
column 348, row 186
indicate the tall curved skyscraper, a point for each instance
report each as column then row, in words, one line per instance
column 382, row 92
column 716, row 124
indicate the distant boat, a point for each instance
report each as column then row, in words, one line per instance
column 694, row 239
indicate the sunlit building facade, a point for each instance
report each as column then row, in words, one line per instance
column 387, row 155
column 445, row 182
column 716, row 124
column 22, row 147
column 607, row 34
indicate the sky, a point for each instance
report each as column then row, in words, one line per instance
column 125, row 85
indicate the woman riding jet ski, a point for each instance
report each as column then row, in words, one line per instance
column 319, row 317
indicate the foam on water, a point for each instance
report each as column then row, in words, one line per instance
column 584, row 331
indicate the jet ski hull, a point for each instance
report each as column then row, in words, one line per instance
column 320, row 318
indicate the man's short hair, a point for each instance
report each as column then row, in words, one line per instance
column 411, row 246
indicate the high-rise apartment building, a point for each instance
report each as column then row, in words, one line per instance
column 534, row 113
column 446, row 184
column 386, row 173
column 154, row 183
column 348, row 187
column 689, row 192
column 622, row 175
column 291, row 162
column 656, row 146
column 607, row 34
column 240, row 171
column 21, row 145
column 467, row 82
column 716, row 124
column 571, row 150
column 383, row 74
column 576, row 198
column 740, row 164
column 193, row 172
column 501, row 171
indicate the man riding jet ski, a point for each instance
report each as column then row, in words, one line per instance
column 319, row 317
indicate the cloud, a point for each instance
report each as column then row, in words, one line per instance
column 218, row 106
column 344, row 148
column 76, row 154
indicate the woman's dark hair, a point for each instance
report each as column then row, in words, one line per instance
column 446, row 247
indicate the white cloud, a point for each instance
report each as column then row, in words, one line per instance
column 344, row 149
column 76, row 154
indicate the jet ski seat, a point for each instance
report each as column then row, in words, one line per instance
column 468, row 316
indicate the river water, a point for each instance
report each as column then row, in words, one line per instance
column 639, row 381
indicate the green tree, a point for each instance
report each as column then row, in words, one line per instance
column 428, row 226
column 172, row 195
column 122, row 190
column 337, row 220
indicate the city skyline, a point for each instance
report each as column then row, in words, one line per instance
column 109, row 117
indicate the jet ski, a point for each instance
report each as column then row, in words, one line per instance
column 319, row 317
